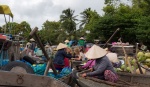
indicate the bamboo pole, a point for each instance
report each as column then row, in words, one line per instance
column 126, row 56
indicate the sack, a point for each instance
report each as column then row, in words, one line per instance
column 66, row 70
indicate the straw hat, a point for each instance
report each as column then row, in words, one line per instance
column 32, row 39
column 82, row 38
column 95, row 52
column 66, row 41
column 28, row 43
column 61, row 46
column 106, row 49
column 47, row 46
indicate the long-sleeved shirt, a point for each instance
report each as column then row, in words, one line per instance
column 89, row 64
column 60, row 56
column 101, row 64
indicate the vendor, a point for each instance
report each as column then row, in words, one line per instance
column 62, row 53
column 67, row 42
column 113, row 58
column 96, row 41
column 103, row 68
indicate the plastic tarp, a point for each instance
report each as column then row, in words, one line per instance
column 4, row 9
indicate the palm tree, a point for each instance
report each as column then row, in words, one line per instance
column 68, row 21
column 86, row 16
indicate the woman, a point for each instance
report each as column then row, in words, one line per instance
column 113, row 58
column 103, row 68
column 62, row 53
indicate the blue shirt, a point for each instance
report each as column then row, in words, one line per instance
column 59, row 57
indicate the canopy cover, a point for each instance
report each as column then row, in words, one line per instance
column 4, row 9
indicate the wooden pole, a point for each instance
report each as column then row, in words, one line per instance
column 126, row 57
column 111, row 37
column 50, row 63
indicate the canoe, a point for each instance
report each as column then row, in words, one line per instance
column 95, row 82
column 13, row 79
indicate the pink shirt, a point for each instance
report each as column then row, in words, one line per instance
column 89, row 64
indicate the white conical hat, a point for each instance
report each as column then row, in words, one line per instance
column 32, row 39
column 61, row 46
column 95, row 52
column 66, row 41
column 47, row 46
column 28, row 43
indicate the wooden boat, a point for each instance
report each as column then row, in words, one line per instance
column 12, row 79
column 94, row 82
column 140, row 79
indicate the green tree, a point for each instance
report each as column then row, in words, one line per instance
column 68, row 21
column 50, row 32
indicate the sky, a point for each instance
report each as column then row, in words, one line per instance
column 36, row 12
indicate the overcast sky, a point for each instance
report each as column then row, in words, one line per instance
column 36, row 12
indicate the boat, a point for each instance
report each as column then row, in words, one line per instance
column 141, row 80
column 14, row 79
column 95, row 82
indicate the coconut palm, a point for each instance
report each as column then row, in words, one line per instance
column 85, row 17
column 68, row 21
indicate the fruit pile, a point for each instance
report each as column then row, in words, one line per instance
column 143, row 58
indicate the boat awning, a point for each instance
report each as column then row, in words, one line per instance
column 4, row 9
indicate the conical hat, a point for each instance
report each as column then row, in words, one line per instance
column 28, row 43
column 32, row 39
column 82, row 38
column 66, row 41
column 61, row 46
column 95, row 52
column 47, row 46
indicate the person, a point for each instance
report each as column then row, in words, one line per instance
column 113, row 58
column 96, row 41
column 79, row 54
column 32, row 46
column 81, row 42
column 62, row 53
column 48, row 50
column 67, row 42
column 103, row 68
column 21, row 47
column 26, row 50
column 90, row 63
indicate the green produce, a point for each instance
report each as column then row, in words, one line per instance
column 140, row 54
column 123, row 67
column 147, row 60
column 147, row 55
column 133, row 61
column 142, row 58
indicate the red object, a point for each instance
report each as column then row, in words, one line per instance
column 2, row 37
column 66, row 61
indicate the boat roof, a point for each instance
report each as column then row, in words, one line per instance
column 4, row 9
